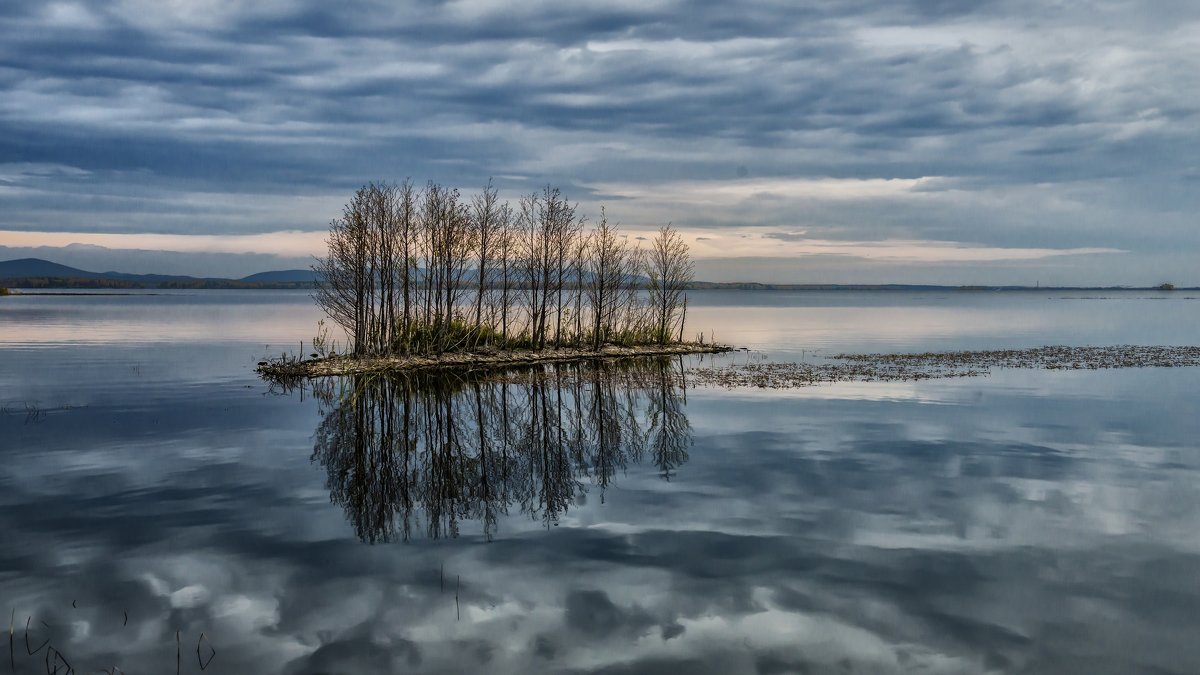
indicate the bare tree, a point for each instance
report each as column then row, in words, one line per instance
column 542, row 217
column 669, row 269
column 407, row 217
column 345, row 289
column 490, row 217
column 336, row 272
column 564, row 231
column 606, row 262
column 506, row 245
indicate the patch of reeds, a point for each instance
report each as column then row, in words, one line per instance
column 56, row 661
column 939, row 365
column 1056, row 357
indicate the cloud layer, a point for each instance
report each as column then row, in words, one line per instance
column 1008, row 125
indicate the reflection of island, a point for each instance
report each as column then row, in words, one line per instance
column 433, row 451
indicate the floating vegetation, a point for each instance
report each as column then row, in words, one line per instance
column 931, row 365
column 1047, row 358
column 793, row 375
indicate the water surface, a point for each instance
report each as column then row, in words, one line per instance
column 601, row 520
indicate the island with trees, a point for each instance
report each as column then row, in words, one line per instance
column 424, row 277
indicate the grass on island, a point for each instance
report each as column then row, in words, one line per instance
column 288, row 367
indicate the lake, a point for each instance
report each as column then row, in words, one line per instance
column 600, row 519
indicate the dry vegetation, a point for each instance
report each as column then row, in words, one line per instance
column 930, row 365
column 287, row 369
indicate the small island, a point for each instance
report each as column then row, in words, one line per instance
column 421, row 278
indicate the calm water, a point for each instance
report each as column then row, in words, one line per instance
column 600, row 520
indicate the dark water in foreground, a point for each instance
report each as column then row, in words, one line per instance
column 600, row 520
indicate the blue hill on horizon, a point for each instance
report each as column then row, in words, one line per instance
column 282, row 276
column 13, row 272
column 36, row 267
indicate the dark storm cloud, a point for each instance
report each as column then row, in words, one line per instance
column 1062, row 126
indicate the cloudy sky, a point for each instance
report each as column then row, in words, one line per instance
column 944, row 141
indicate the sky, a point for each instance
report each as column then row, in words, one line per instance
column 907, row 141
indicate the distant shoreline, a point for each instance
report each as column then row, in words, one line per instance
column 758, row 286
column 23, row 286
column 32, row 286
column 37, row 274
column 20, row 292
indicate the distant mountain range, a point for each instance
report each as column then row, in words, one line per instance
column 283, row 277
column 38, row 273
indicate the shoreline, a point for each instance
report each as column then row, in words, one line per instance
column 12, row 292
column 333, row 366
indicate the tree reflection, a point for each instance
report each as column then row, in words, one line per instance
column 431, row 451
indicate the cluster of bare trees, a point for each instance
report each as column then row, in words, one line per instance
column 431, row 451
column 426, row 270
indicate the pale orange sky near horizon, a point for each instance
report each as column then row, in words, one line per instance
column 705, row 244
